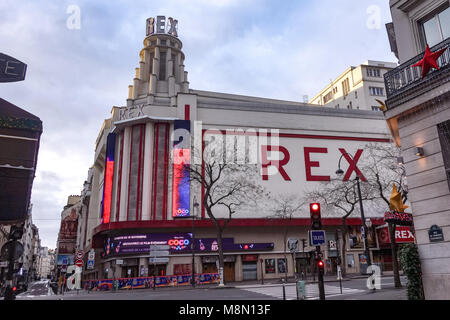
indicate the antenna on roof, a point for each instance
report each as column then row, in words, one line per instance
column 305, row 98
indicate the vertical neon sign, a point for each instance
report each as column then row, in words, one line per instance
column 108, row 180
column 181, row 162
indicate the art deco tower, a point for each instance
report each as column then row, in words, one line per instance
column 161, row 68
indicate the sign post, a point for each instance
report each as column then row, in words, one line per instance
column 158, row 254
column 11, row 69
column 91, row 258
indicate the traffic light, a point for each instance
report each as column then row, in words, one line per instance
column 320, row 266
column 314, row 210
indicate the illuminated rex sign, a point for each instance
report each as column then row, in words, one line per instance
column 162, row 26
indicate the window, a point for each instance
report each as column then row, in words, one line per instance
column 373, row 72
column 376, row 91
column 152, row 56
column 282, row 265
column 444, row 138
column 173, row 64
column 436, row 28
column 162, row 66
column 345, row 87
column 270, row 265
column 356, row 94
column 327, row 97
column 350, row 261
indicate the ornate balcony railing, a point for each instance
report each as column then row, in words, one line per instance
column 406, row 77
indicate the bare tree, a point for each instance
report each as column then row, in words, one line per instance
column 341, row 198
column 285, row 207
column 383, row 171
column 227, row 187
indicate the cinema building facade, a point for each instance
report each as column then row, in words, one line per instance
column 137, row 197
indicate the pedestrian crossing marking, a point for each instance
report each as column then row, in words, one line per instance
column 312, row 291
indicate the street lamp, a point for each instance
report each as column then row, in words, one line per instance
column 339, row 171
column 196, row 205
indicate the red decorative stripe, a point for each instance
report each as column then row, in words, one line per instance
column 129, row 172
column 166, row 169
column 155, row 166
column 187, row 112
column 244, row 223
column 299, row 136
column 139, row 189
column 203, row 175
column 120, row 178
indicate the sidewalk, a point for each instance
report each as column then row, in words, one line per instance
column 291, row 281
column 237, row 284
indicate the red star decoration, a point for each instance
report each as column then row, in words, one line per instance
column 429, row 61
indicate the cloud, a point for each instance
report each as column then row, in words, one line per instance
column 279, row 50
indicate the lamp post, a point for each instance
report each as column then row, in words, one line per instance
column 196, row 205
column 339, row 171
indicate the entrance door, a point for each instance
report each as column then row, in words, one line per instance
column 228, row 272
column 249, row 271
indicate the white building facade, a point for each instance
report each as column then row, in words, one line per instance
column 356, row 88
column 134, row 195
column 418, row 114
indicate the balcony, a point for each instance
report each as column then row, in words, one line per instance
column 405, row 82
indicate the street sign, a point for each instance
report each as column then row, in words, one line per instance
column 91, row 255
column 316, row 237
column 119, row 261
column 79, row 263
column 11, row 69
column 435, row 233
column 292, row 244
column 79, row 254
column 159, row 260
column 10, row 246
column 90, row 264
column 159, row 253
column 159, row 247
column 3, row 264
column 332, row 245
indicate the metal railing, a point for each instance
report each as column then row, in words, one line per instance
column 406, row 77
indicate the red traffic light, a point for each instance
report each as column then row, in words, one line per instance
column 314, row 210
column 14, row 289
column 320, row 264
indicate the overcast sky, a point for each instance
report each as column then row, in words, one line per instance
column 274, row 49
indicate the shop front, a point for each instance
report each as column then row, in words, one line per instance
column 210, row 265
column 249, row 267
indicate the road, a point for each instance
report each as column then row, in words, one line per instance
column 36, row 289
column 354, row 289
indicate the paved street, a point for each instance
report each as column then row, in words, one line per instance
column 354, row 289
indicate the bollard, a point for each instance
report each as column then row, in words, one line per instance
column 284, row 290
column 301, row 290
